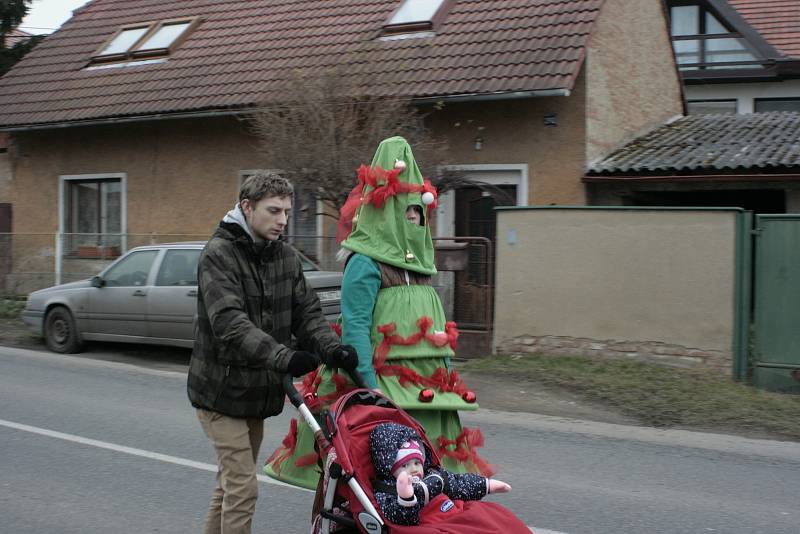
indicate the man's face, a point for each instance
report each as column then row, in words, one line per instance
column 268, row 217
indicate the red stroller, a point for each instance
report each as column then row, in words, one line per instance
column 344, row 502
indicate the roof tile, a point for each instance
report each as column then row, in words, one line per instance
column 242, row 49
column 702, row 143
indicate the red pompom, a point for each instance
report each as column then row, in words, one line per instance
column 426, row 395
column 469, row 397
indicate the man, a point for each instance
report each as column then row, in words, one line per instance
column 252, row 297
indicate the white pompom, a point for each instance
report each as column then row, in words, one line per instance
column 427, row 198
column 399, row 164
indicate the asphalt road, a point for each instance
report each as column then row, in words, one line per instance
column 90, row 445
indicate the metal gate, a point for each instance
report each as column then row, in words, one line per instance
column 777, row 303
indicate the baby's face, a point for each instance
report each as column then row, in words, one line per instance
column 413, row 467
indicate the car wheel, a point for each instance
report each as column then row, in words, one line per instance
column 59, row 331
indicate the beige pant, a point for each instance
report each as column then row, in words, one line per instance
column 236, row 441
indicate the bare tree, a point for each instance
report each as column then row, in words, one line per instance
column 322, row 129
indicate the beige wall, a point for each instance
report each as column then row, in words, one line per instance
column 513, row 132
column 631, row 281
column 633, row 84
column 182, row 175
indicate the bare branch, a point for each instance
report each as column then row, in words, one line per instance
column 322, row 130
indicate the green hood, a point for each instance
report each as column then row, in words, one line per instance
column 383, row 233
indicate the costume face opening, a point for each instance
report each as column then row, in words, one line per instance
column 414, row 215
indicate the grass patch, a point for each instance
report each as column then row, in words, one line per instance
column 657, row 395
column 11, row 308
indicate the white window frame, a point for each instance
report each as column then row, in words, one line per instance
column 446, row 210
column 63, row 180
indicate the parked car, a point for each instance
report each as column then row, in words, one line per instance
column 148, row 295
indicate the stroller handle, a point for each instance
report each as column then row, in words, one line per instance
column 295, row 397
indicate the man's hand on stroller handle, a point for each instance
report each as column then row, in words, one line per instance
column 342, row 356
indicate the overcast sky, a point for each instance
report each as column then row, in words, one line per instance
column 45, row 16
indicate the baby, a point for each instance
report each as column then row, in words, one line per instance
column 406, row 481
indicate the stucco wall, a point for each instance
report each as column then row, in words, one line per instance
column 648, row 283
column 633, row 85
column 182, row 176
column 513, row 132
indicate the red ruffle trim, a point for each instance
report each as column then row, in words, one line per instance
column 385, row 184
column 286, row 450
column 462, row 449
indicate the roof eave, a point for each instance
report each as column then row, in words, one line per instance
column 222, row 112
column 700, row 176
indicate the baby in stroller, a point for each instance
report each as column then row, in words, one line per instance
column 409, row 488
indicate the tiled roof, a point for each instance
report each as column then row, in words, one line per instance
column 778, row 21
column 243, row 49
column 711, row 143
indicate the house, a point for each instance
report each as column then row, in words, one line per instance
column 750, row 161
column 737, row 56
column 126, row 125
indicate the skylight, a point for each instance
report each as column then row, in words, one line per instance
column 146, row 40
column 415, row 16
column 416, row 11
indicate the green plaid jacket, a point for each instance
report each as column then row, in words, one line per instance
column 250, row 301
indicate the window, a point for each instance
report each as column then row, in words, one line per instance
column 698, row 107
column 415, row 16
column 777, row 104
column 92, row 211
column 179, row 268
column 702, row 41
column 131, row 270
column 146, row 41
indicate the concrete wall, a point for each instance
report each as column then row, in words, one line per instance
column 632, row 83
column 617, row 283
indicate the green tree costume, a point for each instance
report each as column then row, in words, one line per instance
column 392, row 315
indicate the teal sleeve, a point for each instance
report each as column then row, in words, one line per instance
column 360, row 286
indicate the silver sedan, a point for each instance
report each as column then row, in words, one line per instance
column 148, row 295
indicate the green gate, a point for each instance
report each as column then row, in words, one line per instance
column 777, row 303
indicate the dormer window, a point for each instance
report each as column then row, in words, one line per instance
column 144, row 41
column 703, row 42
column 415, row 16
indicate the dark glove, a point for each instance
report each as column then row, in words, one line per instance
column 343, row 356
column 303, row 362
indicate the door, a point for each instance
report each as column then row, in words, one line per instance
column 475, row 217
column 120, row 306
column 777, row 303
column 5, row 245
column 172, row 300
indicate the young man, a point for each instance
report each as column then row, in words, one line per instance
column 252, row 297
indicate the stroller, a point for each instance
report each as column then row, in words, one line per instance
column 344, row 503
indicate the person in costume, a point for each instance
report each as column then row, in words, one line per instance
column 406, row 482
column 393, row 317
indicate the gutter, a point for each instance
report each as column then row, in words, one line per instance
column 471, row 97
column 695, row 178
column 123, row 120
column 499, row 95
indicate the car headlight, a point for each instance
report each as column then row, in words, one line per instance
column 329, row 295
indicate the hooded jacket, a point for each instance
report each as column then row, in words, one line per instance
column 384, row 442
column 252, row 297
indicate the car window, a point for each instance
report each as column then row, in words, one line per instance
column 179, row 268
column 132, row 270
